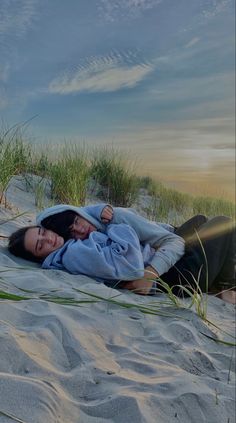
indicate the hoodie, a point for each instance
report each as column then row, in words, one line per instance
column 114, row 255
column 169, row 247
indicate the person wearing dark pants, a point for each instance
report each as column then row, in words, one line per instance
column 209, row 257
column 200, row 250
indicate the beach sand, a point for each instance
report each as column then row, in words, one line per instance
column 99, row 362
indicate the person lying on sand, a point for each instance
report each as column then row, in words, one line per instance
column 116, row 255
column 208, row 258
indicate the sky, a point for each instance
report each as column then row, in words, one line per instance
column 152, row 76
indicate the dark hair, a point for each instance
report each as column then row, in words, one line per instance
column 16, row 245
column 60, row 223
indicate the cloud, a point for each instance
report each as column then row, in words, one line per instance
column 16, row 16
column 192, row 42
column 210, row 10
column 102, row 74
column 112, row 10
column 215, row 8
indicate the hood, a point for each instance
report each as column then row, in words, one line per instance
column 59, row 208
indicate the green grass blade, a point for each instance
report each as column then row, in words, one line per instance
column 220, row 341
column 11, row 416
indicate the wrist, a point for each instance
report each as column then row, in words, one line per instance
column 151, row 272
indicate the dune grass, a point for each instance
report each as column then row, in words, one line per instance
column 115, row 173
column 14, row 157
column 70, row 175
column 213, row 206
column 71, row 168
column 12, row 417
column 175, row 207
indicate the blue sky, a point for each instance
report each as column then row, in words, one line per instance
column 157, row 74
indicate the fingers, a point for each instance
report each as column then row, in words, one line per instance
column 107, row 214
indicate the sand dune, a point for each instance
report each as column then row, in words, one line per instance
column 98, row 362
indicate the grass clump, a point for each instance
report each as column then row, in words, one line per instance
column 15, row 156
column 168, row 204
column 110, row 169
column 70, row 172
column 175, row 207
column 70, row 175
column 147, row 183
column 213, row 206
column 41, row 164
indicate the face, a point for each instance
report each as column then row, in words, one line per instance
column 41, row 242
column 81, row 228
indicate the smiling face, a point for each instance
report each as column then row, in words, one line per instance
column 41, row 242
column 81, row 228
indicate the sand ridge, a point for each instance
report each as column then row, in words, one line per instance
column 98, row 362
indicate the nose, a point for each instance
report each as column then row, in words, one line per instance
column 78, row 228
column 47, row 237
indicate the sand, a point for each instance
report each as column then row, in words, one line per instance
column 99, row 362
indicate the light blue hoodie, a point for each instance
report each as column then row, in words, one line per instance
column 169, row 246
column 116, row 255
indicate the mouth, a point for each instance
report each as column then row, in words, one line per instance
column 84, row 232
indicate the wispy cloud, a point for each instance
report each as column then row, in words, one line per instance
column 16, row 16
column 215, row 7
column 103, row 74
column 111, row 10
column 192, row 42
column 16, row 19
column 210, row 10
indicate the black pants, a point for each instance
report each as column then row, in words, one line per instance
column 211, row 261
column 188, row 229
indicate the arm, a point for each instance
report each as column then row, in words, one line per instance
column 169, row 246
column 115, row 256
column 144, row 285
column 102, row 212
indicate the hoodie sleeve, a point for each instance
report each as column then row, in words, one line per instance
column 115, row 255
column 95, row 210
column 169, row 246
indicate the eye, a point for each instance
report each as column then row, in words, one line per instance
column 41, row 231
column 39, row 244
column 71, row 229
column 76, row 221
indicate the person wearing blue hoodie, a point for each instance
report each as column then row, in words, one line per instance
column 205, row 256
column 108, row 257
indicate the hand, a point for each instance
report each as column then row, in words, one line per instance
column 144, row 285
column 107, row 214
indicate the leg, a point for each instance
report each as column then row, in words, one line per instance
column 187, row 230
column 208, row 261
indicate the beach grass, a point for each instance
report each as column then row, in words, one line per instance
column 69, row 175
column 176, row 207
column 15, row 156
column 213, row 206
column 71, row 167
column 115, row 173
